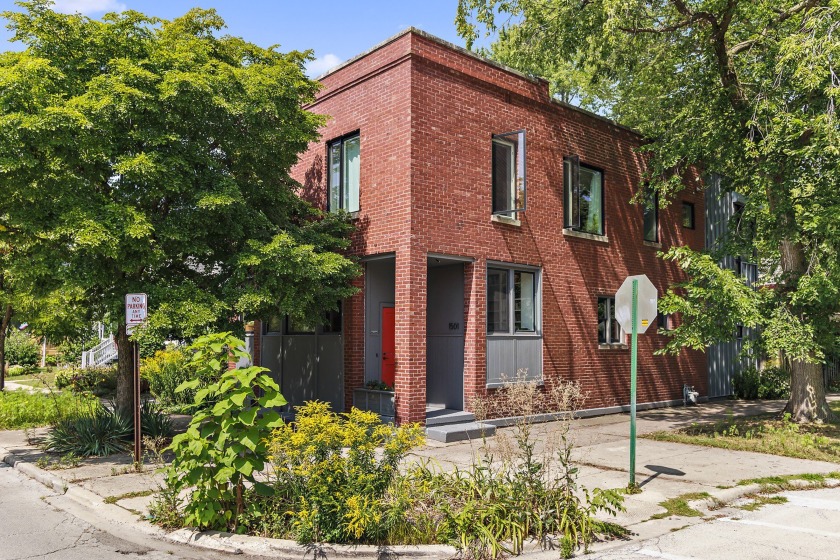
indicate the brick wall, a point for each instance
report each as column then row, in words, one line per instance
column 426, row 113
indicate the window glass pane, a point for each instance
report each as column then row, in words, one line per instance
column 503, row 176
column 591, row 193
column 351, row 174
column 301, row 326
column 603, row 319
column 651, row 219
column 524, row 297
column 498, row 313
column 688, row 215
column 332, row 320
column 335, row 177
column 274, row 324
column 615, row 328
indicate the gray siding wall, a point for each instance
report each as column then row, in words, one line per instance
column 307, row 367
column 724, row 358
column 445, row 336
column 379, row 290
column 506, row 355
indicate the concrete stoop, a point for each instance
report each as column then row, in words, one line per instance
column 448, row 426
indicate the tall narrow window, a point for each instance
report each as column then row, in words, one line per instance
column 609, row 331
column 509, row 173
column 688, row 215
column 512, row 296
column 652, row 217
column 344, row 163
column 584, row 194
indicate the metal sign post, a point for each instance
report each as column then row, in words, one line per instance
column 633, row 358
column 635, row 310
column 135, row 314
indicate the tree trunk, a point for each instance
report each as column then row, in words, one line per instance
column 124, row 401
column 4, row 328
column 807, row 393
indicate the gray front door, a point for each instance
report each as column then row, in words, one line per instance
column 445, row 336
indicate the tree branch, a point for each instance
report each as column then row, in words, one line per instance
column 805, row 5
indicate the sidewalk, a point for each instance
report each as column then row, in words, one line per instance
column 664, row 470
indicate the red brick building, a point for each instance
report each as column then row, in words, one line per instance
column 494, row 224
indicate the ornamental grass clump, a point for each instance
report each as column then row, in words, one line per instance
column 333, row 472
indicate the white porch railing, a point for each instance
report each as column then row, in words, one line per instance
column 103, row 353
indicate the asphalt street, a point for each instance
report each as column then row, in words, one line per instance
column 31, row 527
column 806, row 527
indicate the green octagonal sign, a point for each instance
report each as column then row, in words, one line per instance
column 646, row 310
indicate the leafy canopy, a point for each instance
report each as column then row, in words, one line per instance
column 146, row 155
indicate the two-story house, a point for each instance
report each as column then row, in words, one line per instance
column 495, row 226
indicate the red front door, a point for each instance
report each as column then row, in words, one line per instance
column 389, row 346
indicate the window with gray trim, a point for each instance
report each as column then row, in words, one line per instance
column 609, row 331
column 343, row 173
column 651, row 212
column 509, row 173
column 584, row 197
column 512, row 301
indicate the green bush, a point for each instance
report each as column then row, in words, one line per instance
column 22, row 409
column 99, row 431
column 769, row 383
column 22, row 349
column 20, row 371
column 331, row 494
column 167, row 370
column 224, row 447
column 97, row 380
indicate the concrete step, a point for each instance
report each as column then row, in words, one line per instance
column 446, row 416
column 448, row 433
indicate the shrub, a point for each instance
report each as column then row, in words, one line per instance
column 22, row 349
column 97, row 380
column 99, row 432
column 335, row 495
column 22, row 409
column 166, row 371
column 769, row 383
column 225, row 446
column 19, row 371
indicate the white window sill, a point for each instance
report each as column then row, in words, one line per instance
column 499, row 384
column 502, row 219
column 583, row 235
column 614, row 346
column 652, row 244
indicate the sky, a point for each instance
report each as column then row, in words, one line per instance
column 335, row 31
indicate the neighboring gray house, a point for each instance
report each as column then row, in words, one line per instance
column 725, row 358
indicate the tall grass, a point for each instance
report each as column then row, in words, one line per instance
column 22, row 409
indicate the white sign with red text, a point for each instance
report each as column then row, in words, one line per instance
column 135, row 310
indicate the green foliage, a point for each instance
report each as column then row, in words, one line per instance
column 224, row 447
column 679, row 506
column 159, row 152
column 330, row 478
column 769, row 383
column 167, row 370
column 100, row 431
column 22, row 409
column 99, row 381
column 19, row 370
column 22, row 349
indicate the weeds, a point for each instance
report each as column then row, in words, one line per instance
column 678, row 507
column 757, row 501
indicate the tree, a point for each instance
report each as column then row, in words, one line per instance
column 741, row 89
column 146, row 155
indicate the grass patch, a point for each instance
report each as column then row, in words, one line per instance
column 759, row 500
column 772, row 484
column 45, row 379
column 679, row 506
column 764, row 434
column 22, row 409
column 127, row 495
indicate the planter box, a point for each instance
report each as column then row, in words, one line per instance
column 380, row 402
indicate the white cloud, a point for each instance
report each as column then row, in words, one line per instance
column 320, row 65
column 88, row 7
